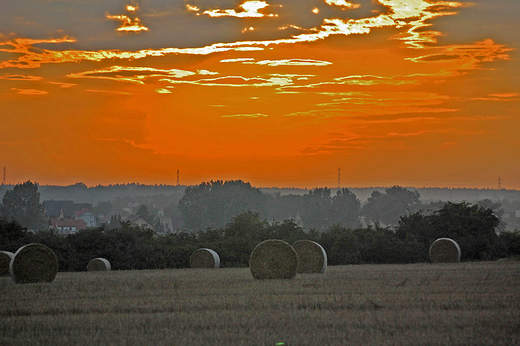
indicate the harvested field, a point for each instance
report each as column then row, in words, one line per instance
column 5, row 260
column 418, row 304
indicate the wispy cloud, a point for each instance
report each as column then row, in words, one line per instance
column 499, row 97
column 129, row 22
column 109, row 92
column 249, row 9
column 30, row 91
column 342, row 3
column 21, row 77
column 256, row 115
column 292, row 62
column 131, row 74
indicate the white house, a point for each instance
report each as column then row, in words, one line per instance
column 91, row 220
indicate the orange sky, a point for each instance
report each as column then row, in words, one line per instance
column 277, row 93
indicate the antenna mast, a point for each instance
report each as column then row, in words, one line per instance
column 3, row 182
column 499, row 183
column 339, row 178
column 177, row 177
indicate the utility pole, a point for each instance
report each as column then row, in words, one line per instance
column 339, row 178
column 177, row 177
column 499, row 183
column 3, row 182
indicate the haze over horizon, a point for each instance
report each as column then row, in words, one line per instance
column 276, row 93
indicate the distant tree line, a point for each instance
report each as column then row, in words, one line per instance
column 230, row 218
column 131, row 247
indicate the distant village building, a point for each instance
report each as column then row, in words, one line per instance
column 137, row 220
column 67, row 217
column 67, row 226
column 63, row 209
column 91, row 220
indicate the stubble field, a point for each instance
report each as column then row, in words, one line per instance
column 418, row 304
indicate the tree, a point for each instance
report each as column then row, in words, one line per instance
column 145, row 213
column 316, row 209
column 103, row 208
column 389, row 206
column 213, row 204
column 22, row 204
column 345, row 209
column 471, row 226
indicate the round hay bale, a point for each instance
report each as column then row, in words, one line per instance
column 312, row 257
column 5, row 261
column 204, row 258
column 98, row 265
column 34, row 263
column 273, row 259
column 445, row 250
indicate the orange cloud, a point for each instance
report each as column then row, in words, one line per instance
column 466, row 56
column 129, row 24
column 30, row 91
column 21, row 77
column 131, row 74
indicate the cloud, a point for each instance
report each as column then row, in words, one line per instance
column 499, row 97
column 109, row 92
column 130, row 22
column 163, row 91
column 505, row 95
column 372, row 80
column 238, row 60
column 257, row 115
column 64, row 85
column 467, row 56
column 29, row 91
column 249, row 9
column 131, row 74
column 398, row 16
column 342, row 3
column 235, row 81
column 21, row 77
column 292, row 62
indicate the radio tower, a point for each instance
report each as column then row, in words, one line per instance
column 339, row 178
column 499, row 183
column 177, row 177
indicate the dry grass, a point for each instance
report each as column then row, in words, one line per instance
column 420, row 304
column 98, row 264
column 204, row 258
column 34, row 263
column 5, row 260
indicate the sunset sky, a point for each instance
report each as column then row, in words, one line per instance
column 277, row 92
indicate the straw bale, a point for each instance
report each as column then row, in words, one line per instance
column 273, row 259
column 98, row 265
column 34, row 263
column 445, row 250
column 5, row 260
column 204, row 258
column 312, row 257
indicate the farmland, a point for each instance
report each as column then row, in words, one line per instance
column 470, row 303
